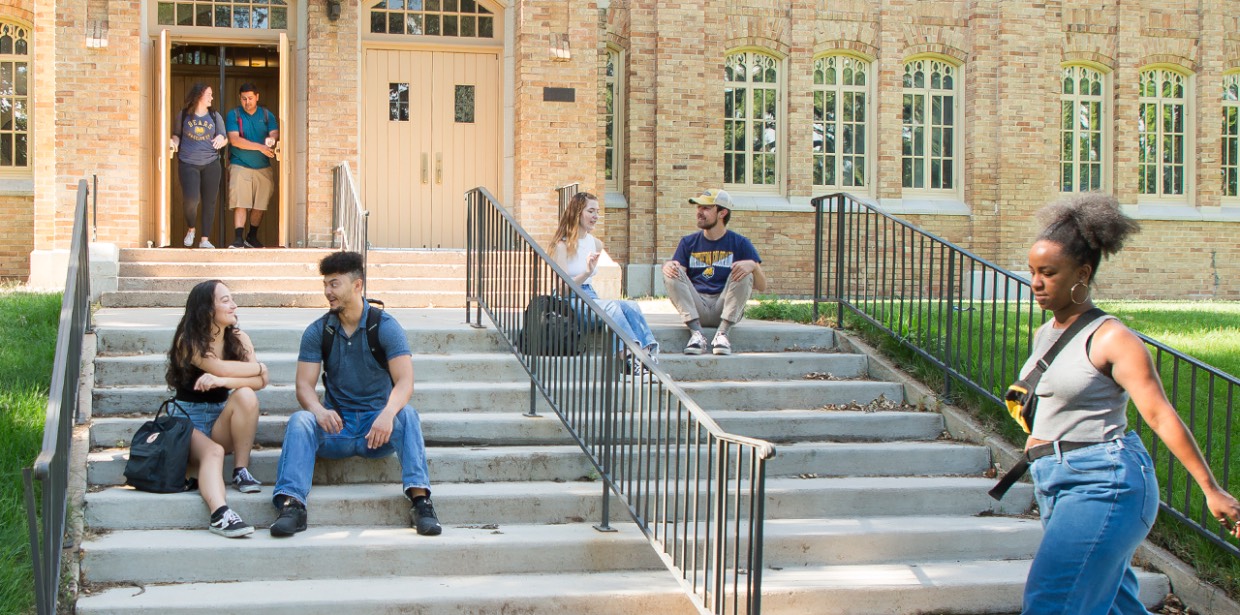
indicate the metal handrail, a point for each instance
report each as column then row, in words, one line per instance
column 350, row 222
column 975, row 321
column 51, row 467
column 565, row 194
column 696, row 491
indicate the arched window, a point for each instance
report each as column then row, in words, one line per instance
column 841, row 110
column 240, row 14
column 613, row 116
column 1083, row 129
column 14, row 96
column 1162, row 132
column 1231, row 134
column 751, row 120
column 929, row 132
column 453, row 18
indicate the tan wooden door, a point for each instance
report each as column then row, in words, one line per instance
column 431, row 132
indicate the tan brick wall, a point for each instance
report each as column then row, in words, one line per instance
column 332, row 129
column 16, row 236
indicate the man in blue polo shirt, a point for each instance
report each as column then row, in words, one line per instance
column 712, row 274
column 252, row 133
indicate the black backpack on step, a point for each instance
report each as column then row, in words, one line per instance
column 551, row 328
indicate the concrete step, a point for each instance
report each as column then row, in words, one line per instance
column 559, row 593
column 542, row 502
column 308, row 270
column 438, row 428
column 284, row 255
column 567, row 463
column 255, row 284
column 484, row 396
column 970, row 586
column 446, row 465
column 474, row 428
column 343, row 552
column 430, row 330
column 132, row 370
column 281, row 299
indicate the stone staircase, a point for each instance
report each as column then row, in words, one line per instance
column 868, row 510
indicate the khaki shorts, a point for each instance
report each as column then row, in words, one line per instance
column 250, row 188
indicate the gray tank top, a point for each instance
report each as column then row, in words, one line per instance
column 1076, row 402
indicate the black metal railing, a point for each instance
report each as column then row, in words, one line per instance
column 47, row 507
column 565, row 194
column 696, row 491
column 975, row 321
column 350, row 222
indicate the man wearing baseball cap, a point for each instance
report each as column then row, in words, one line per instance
column 712, row 274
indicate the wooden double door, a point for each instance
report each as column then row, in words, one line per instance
column 431, row 132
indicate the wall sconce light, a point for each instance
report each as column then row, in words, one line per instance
column 333, row 10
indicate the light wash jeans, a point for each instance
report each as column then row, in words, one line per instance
column 627, row 314
column 1097, row 505
column 304, row 440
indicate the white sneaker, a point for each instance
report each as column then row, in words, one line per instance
column 205, row 244
column 189, row 239
column 697, row 343
column 721, row 345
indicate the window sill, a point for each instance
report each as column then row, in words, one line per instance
column 931, row 206
column 16, row 187
column 1182, row 211
column 769, row 202
column 615, row 200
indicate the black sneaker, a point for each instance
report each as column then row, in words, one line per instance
column 237, row 244
column 245, row 482
column 292, row 519
column 230, row 525
column 423, row 517
column 251, row 241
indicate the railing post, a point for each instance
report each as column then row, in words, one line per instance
column 534, row 292
column 950, row 328
column 839, row 261
column 609, row 433
column 817, row 256
column 469, row 252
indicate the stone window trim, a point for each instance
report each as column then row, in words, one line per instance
column 1186, row 136
column 820, row 92
column 16, row 110
column 775, row 127
column 614, row 121
column 1105, row 101
column 918, row 198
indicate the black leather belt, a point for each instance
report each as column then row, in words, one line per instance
column 1022, row 466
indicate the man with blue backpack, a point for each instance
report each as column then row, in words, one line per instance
column 252, row 134
column 367, row 370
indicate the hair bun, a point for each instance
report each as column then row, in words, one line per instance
column 1095, row 218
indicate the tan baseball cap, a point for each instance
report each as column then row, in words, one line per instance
column 714, row 196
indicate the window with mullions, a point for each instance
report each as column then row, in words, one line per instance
column 840, row 113
column 929, row 127
column 611, row 102
column 240, row 14
column 1161, row 133
column 14, row 96
column 751, row 120
column 1231, row 135
column 1082, row 131
column 457, row 18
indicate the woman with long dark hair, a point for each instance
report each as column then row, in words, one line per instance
column 577, row 250
column 198, row 133
column 1094, row 481
column 213, row 369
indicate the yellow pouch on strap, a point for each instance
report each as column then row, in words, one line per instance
column 1021, row 403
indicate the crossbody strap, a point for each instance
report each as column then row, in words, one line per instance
column 1039, row 368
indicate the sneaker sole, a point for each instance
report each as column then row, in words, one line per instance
column 249, row 488
column 237, row 533
column 722, row 350
column 282, row 533
column 435, row 531
column 693, row 351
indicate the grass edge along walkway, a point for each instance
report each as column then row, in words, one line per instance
column 1216, row 342
column 28, row 324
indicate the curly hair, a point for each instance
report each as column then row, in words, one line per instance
column 570, row 222
column 193, row 337
column 1087, row 226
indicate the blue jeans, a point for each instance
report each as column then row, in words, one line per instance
column 304, row 440
column 1097, row 505
column 627, row 315
column 202, row 413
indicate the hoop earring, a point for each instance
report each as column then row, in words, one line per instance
column 1072, row 293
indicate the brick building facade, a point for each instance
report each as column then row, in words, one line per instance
column 950, row 114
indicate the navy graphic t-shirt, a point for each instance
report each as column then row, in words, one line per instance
column 710, row 262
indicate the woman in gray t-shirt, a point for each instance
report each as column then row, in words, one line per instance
column 1095, row 485
column 197, row 135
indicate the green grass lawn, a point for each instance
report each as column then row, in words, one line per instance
column 989, row 342
column 28, row 324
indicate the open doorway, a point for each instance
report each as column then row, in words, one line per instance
column 225, row 68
